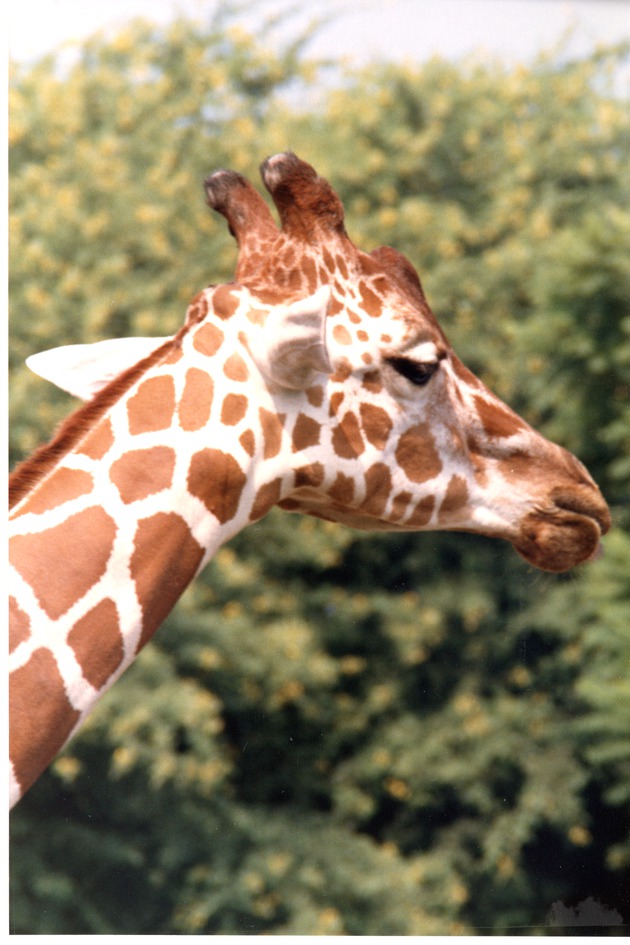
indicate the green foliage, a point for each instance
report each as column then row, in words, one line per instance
column 605, row 687
column 339, row 732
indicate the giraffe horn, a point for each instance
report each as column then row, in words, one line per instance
column 246, row 212
column 305, row 201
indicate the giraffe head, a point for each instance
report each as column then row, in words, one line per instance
column 377, row 424
column 391, row 430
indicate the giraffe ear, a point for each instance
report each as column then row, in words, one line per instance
column 84, row 370
column 293, row 351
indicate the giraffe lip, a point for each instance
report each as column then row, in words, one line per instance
column 566, row 532
column 584, row 504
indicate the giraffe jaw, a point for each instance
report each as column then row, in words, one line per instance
column 554, row 540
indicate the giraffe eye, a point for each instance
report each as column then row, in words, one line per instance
column 417, row 372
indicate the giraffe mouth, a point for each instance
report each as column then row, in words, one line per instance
column 585, row 502
column 566, row 533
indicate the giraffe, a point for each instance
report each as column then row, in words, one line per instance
column 318, row 381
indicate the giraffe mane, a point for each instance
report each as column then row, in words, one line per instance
column 32, row 470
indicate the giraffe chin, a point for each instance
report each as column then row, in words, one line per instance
column 559, row 541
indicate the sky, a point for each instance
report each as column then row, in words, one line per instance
column 404, row 30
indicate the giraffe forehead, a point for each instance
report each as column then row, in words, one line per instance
column 363, row 287
column 390, row 329
column 381, row 310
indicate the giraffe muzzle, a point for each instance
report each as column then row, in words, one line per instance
column 586, row 502
column 568, row 532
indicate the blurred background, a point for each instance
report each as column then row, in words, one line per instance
column 339, row 732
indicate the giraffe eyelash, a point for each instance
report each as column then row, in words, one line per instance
column 418, row 373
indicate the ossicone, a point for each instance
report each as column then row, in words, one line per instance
column 305, row 202
column 247, row 214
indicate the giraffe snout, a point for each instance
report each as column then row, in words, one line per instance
column 585, row 501
column 567, row 531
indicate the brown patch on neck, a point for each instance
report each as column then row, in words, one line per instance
column 19, row 625
column 98, row 660
column 84, row 540
column 74, row 428
column 42, row 717
column 165, row 558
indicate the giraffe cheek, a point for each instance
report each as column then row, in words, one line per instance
column 347, row 440
column 455, row 500
column 376, row 425
column 416, row 454
column 378, row 487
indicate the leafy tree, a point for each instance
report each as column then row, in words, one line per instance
column 339, row 732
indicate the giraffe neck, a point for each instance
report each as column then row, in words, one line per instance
column 181, row 462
